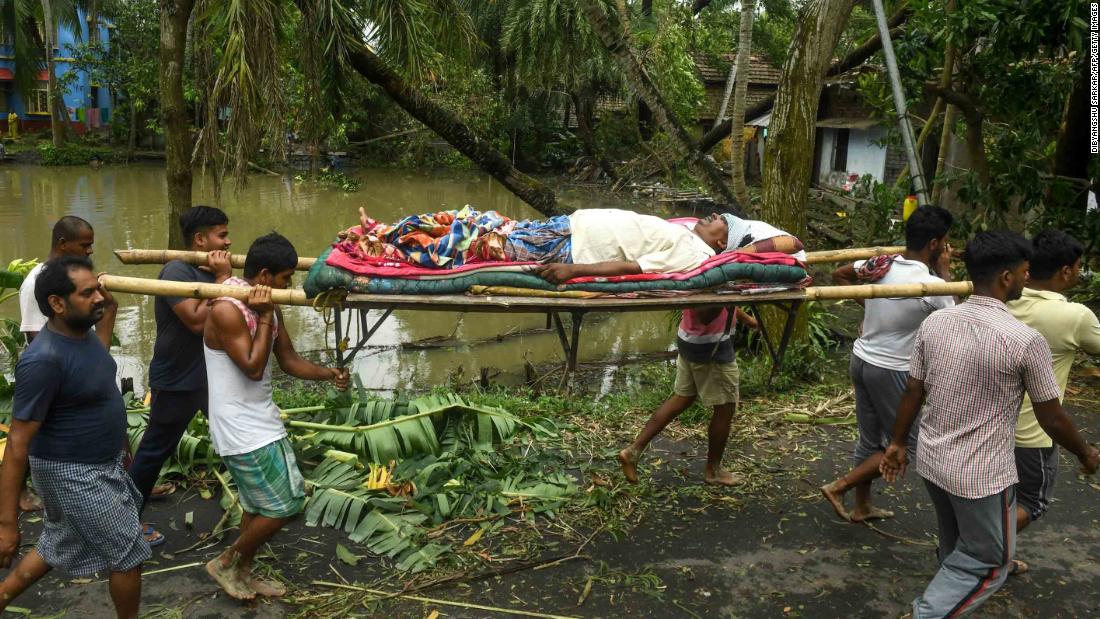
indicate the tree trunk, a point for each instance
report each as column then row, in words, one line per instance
column 639, row 80
column 131, row 140
column 941, row 157
column 57, row 129
column 450, row 128
column 857, row 57
column 174, row 15
column 584, row 104
column 789, row 156
column 1069, row 152
column 93, row 22
column 740, row 94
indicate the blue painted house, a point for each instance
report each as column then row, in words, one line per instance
column 88, row 104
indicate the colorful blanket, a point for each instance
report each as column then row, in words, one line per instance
column 446, row 239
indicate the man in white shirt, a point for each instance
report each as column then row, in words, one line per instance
column 72, row 236
column 880, row 357
column 609, row 242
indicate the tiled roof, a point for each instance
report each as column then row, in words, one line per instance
column 760, row 70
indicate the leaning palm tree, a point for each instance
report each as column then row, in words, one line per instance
column 553, row 49
column 392, row 43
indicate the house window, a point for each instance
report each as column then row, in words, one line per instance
column 38, row 101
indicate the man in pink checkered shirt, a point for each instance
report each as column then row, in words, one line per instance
column 971, row 365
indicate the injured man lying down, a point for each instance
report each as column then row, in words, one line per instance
column 589, row 242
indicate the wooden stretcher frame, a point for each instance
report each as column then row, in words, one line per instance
column 359, row 305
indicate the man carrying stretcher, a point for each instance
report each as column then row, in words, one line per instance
column 589, row 242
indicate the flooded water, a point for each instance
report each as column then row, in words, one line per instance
column 127, row 206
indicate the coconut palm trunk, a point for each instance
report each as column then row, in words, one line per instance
column 740, row 95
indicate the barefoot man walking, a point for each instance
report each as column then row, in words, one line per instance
column 238, row 341
column 880, row 357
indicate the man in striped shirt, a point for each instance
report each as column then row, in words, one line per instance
column 971, row 365
column 706, row 369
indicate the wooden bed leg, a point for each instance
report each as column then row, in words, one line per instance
column 337, row 324
column 365, row 333
column 575, row 344
column 788, row 329
column 569, row 346
column 764, row 333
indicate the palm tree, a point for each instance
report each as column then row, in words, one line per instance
column 615, row 41
column 553, row 49
column 406, row 38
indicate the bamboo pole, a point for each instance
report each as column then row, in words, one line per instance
column 138, row 285
column 845, row 255
column 880, row 291
column 195, row 290
column 198, row 258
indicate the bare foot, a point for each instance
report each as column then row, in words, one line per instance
column 267, row 588
column 628, row 460
column 1018, row 567
column 229, row 580
column 722, row 478
column 29, row 501
column 836, row 500
column 861, row 514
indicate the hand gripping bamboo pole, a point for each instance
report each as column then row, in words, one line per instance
column 195, row 290
column 198, row 258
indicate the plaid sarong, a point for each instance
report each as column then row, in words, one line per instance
column 268, row 480
column 91, row 522
column 548, row 240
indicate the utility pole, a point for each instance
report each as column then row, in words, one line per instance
column 915, row 170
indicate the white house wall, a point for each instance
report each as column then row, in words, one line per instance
column 864, row 155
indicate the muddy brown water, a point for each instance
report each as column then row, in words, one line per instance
column 127, row 206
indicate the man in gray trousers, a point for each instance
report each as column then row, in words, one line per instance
column 971, row 365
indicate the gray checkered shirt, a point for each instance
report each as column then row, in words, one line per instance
column 976, row 361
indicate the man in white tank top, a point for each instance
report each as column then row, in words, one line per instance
column 245, row 427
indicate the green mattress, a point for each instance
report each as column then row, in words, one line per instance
column 323, row 277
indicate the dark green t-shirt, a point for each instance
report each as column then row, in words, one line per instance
column 178, row 364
